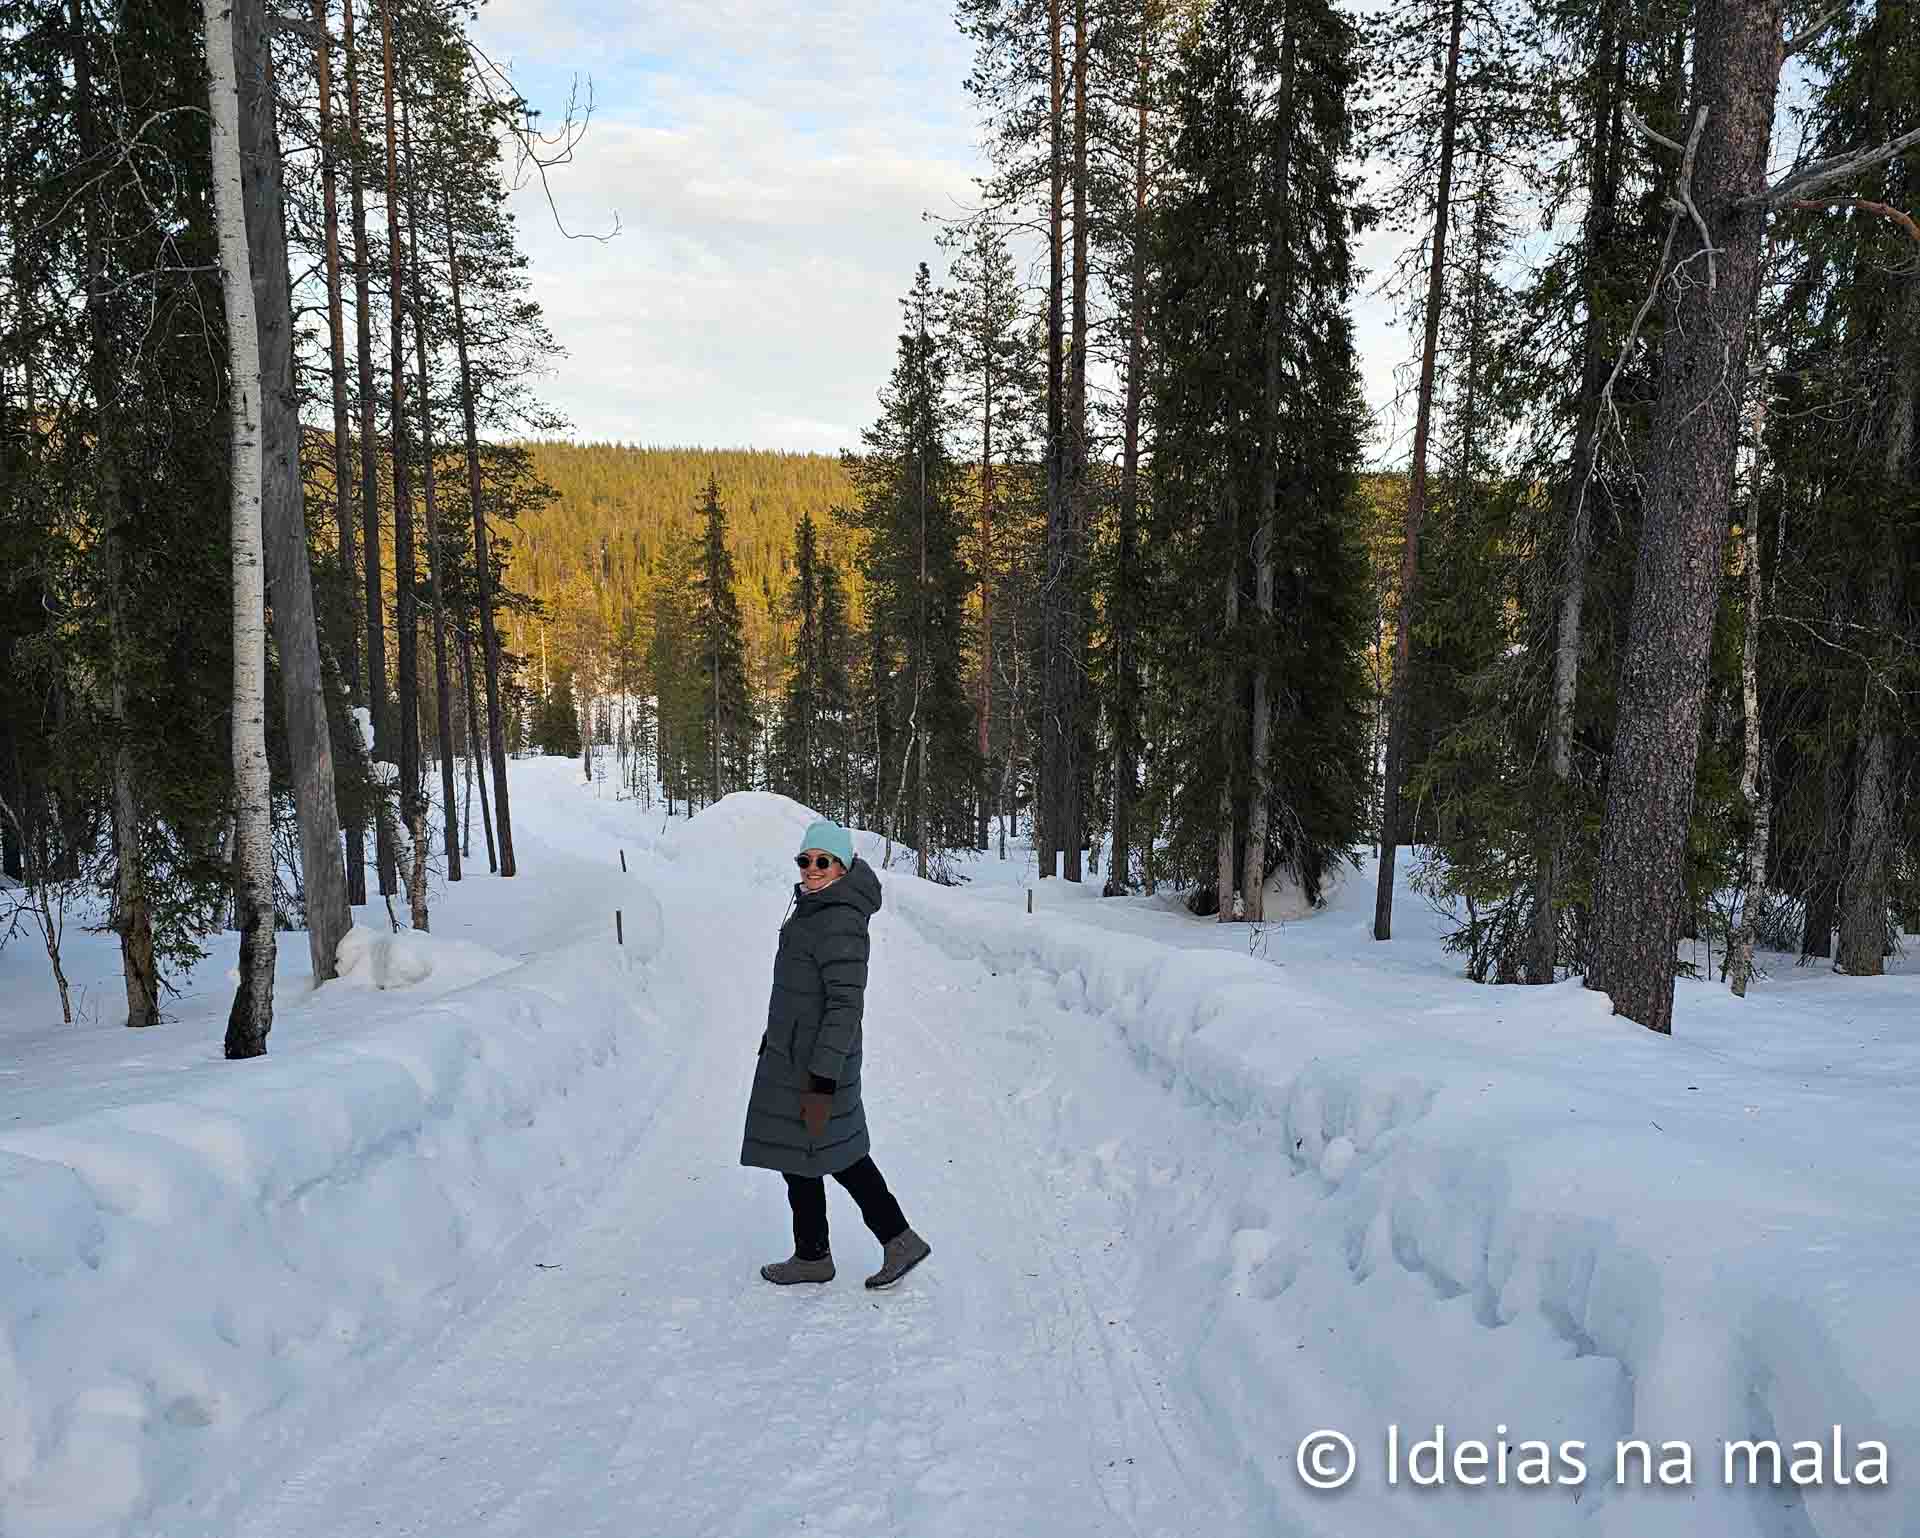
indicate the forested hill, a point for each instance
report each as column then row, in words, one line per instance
column 620, row 507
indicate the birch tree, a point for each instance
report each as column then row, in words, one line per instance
column 251, row 1017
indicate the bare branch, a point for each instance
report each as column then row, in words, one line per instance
column 532, row 148
column 1807, row 34
column 1646, row 131
column 123, row 158
column 1866, row 205
column 1684, row 186
column 1821, row 174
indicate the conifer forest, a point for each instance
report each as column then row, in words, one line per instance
column 1611, row 624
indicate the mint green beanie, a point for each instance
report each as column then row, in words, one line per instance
column 831, row 837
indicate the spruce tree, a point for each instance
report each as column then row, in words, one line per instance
column 918, row 586
column 797, row 740
column 837, row 745
column 1255, row 417
column 722, row 744
column 675, row 681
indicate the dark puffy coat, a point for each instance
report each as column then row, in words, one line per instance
column 813, row 1031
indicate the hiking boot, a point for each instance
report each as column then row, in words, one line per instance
column 799, row 1269
column 902, row 1253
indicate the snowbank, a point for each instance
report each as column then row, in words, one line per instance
column 366, row 958
column 274, row 1232
column 1514, row 1211
column 1415, row 1202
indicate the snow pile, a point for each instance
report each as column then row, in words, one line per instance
column 1501, row 1209
column 405, row 959
column 275, row 1233
column 749, row 835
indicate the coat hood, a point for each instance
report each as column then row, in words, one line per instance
column 858, row 889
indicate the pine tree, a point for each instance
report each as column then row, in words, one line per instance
column 1651, row 783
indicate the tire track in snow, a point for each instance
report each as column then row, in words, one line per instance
column 1153, row 1475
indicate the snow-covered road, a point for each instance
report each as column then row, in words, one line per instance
column 639, row 1377
column 471, row 1255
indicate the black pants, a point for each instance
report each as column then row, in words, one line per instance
column 807, row 1195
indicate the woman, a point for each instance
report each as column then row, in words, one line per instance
column 804, row 1117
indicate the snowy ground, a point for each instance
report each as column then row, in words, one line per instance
column 471, row 1254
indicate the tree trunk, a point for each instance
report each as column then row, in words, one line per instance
column 342, row 466
column 1863, row 907
column 1703, row 361
column 1072, row 800
column 985, row 792
column 252, row 1015
column 1229, row 704
column 483, row 564
column 1126, row 701
column 376, row 610
column 406, row 600
column 296, row 634
column 1754, row 790
column 1253, row 880
column 1542, row 951
column 1871, row 840
column 1417, row 498
column 475, row 756
column 442, row 684
column 922, row 834
column 1050, row 833
column 132, row 914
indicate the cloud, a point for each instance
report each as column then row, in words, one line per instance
column 770, row 166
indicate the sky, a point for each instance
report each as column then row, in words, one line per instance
column 770, row 169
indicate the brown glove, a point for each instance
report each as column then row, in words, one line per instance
column 815, row 1108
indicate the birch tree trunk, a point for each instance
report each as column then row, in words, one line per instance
column 1417, row 499
column 283, row 515
column 251, row 1017
column 1754, row 789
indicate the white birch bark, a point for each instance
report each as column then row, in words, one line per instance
column 252, row 1014
column 1753, row 767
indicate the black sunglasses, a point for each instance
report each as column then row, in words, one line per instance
column 818, row 862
